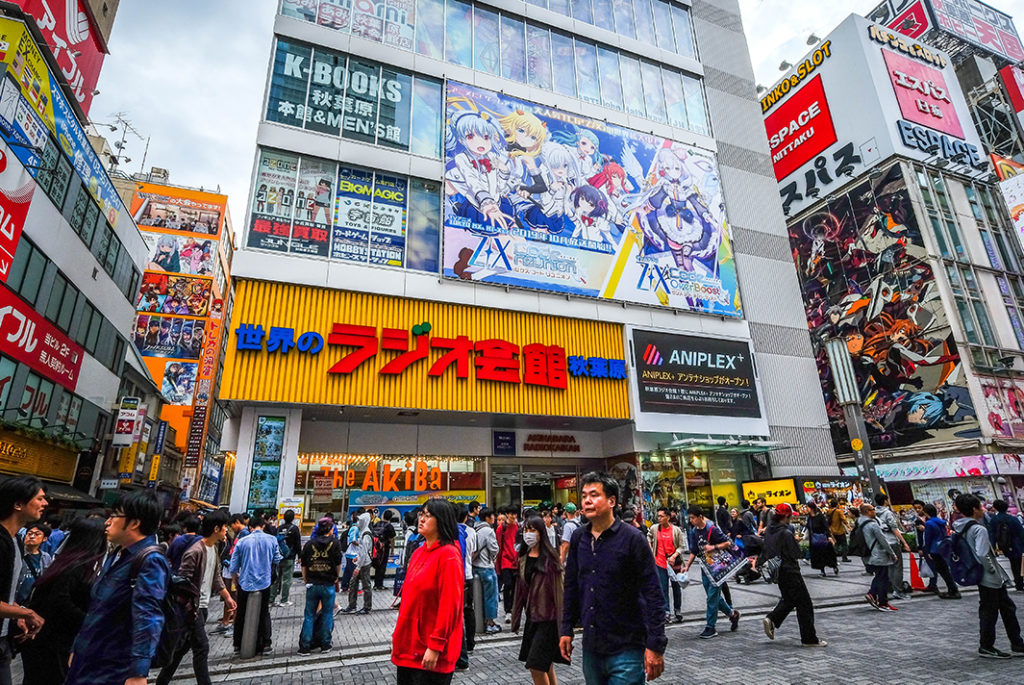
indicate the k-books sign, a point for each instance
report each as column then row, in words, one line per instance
column 543, row 199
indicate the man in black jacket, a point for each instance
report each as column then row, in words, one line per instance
column 385, row 532
column 291, row 536
column 780, row 542
column 22, row 501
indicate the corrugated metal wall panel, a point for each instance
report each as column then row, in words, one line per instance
column 303, row 378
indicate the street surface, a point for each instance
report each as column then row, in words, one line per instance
column 922, row 643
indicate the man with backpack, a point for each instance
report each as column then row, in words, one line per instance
column 289, row 542
column 321, row 565
column 893, row 531
column 869, row 543
column 705, row 538
column 993, row 599
column 363, row 565
column 383, row 538
column 253, row 563
column 199, row 566
column 121, row 631
column 1008, row 536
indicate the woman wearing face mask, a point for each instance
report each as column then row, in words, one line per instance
column 539, row 592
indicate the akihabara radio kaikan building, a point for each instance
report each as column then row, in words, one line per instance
column 493, row 246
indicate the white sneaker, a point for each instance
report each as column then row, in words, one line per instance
column 287, row 604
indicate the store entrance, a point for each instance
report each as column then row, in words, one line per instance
column 529, row 486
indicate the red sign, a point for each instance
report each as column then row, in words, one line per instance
column 800, row 129
column 32, row 340
column 74, row 42
column 922, row 94
column 913, row 22
column 16, row 188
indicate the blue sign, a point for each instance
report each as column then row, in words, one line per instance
column 504, row 443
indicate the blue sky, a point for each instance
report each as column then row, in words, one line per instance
column 190, row 75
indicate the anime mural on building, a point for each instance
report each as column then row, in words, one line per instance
column 539, row 198
column 865, row 276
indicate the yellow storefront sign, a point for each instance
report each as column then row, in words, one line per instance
column 779, row 491
column 295, row 344
column 22, row 60
column 22, row 455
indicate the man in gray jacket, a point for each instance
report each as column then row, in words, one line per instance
column 364, row 568
column 993, row 599
column 878, row 559
column 893, row 531
column 483, row 566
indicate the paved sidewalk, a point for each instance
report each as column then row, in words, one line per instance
column 359, row 637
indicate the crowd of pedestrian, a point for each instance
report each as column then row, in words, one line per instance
column 114, row 594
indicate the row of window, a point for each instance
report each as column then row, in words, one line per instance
column 318, row 90
column 33, row 406
column 31, row 272
column 54, row 178
column 403, row 23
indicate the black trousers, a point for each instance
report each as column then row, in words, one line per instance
column 468, row 620
column 1018, row 580
column 263, row 633
column 727, row 594
column 795, row 596
column 994, row 603
column 199, row 643
column 508, row 590
column 379, row 568
column 938, row 565
column 417, row 676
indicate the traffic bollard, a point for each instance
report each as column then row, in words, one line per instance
column 251, row 627
column 478, row 605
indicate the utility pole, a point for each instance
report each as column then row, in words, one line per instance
column 844, row 382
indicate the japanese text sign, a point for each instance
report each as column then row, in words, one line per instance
column 31, row 339
column 800, row 129
column 124, row 428
column 980, row 25
column 780, row 491
column 922, row 94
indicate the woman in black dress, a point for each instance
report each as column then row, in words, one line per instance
column 823, row 545
column 539, row 593
column 61, row 597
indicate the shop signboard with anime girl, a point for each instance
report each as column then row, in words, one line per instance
column 539, row 198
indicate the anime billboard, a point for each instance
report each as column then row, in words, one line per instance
column 539, row 198
column 866, row 277
column 162, row 293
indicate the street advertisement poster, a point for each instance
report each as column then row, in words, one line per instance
column 1012, row 190
column 720, row 565
column 353, row 212
column 31, row 339
column 943, row 493
column 981, row 25
column 16, row 189
column 777, row 491
column 387, row 237
column 540, row 198
column 124, row 427
column 73, row 41
column 178, row 209
column 311, row 228
column 179, row 382
column 169, row 336
column 848, row 491
column 296, row 504
column 161, row 293
column 180, row 254
column 268, row 447
column 271, row 210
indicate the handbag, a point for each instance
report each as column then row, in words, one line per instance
column 925, row 568
column 769, row 570
column 819, row 540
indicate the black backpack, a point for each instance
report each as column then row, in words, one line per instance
column 178, row 609
column 1004, row 540
column 858, row 543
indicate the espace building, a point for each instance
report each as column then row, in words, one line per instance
column 904, row 250
column 492, row 246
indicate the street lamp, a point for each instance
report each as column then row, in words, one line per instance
column 844, row 380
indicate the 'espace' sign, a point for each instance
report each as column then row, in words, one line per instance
column 800, row 129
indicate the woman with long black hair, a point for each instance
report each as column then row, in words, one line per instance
column 61, row 597
column 820, row 541
column 539, row 593
column 428, row 635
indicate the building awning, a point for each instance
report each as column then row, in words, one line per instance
column 705, row 445
column 61, row 492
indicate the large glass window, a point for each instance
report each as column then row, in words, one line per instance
column 675, row 100
column 632, row 86
column 623, row 10
column 654, row 96
column 562, row 62
column 513, row 49
column 581, row 11
column 560, row 6
column 538, row 56
column 60, row 284
column 430, row 28
column 683, row 31
column 326, row 103
column 603, row 16
column 288, row 82
column 34, row 269
column 458, row 33
column 424, row 235
column 611, row 88
column 485, row 41
column 644, row 21
column 696, row 110
column 427, row 117
column 395, row 119
column 61, row 181
column 663, row 24
column 586, row 72
column 365, row 22
column 7, row 369
column 91, row 222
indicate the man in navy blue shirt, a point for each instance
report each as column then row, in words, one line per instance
column 706, row 538
column 611, row 588
column 121, row 630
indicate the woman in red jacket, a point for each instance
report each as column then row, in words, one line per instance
column 428, row 636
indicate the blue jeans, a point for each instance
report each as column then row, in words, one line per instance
column 346, row 575
column 677, row 594
column 716, row 602
column 624, row 668
column 319, row 617
column 489, row 580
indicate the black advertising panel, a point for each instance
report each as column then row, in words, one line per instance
column 685, row 374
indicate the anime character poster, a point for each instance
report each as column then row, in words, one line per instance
column 179, row 382
column 179, row 254
column 272, row 198
column 539, row 198
column 865, row 276
column 162, row 293
column 311, row 228
column 169, row 336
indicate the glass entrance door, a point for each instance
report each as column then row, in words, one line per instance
column 528, row 486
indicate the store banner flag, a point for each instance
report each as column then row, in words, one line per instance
column 539, row 198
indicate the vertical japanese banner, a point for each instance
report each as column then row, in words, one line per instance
column 272, row 199
column 125, row 425
column 311, row 228
column 387, row 241
column 16, row 188
column 158, row 453
column 352, row 215
column 140, row 460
